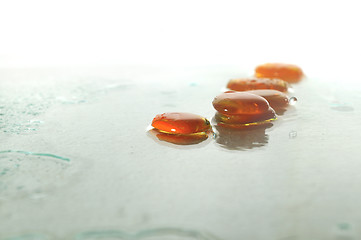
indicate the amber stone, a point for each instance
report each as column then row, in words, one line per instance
column 276, row 99
column 287, row 72
column 246, row 119
column 181, row 123
column 180, row 139
column 234, row 103
column 244, row 84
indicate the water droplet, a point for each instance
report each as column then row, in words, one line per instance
column 292, row 134
column 293, row 100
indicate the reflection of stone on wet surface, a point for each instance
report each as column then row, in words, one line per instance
column 151, row 234
column 242, row 138
column 179, row 139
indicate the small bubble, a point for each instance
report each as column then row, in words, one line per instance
column 292, row 134
column 293, row 101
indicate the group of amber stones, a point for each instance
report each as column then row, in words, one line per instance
column 249, row 102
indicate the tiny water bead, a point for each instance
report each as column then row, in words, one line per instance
column 288, row 72
column 181, row 123
column 245, row 84
column 293, row 100
column 242, row 109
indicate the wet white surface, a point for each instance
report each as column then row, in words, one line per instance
column 297, row 180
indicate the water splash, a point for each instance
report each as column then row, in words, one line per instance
column 36, row 154
column 31, row 174
column 21, row 108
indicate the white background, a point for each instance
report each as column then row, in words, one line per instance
column 321, row 36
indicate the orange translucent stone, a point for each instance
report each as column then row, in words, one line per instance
column 181, row 123
column 244, row 84
column 246, row 119
column 234, row 103
column 288, row 72
column 179, row 139
column 276, row 99
column 242, row 109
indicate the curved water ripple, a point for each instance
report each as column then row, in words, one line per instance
column 36, row 154
column 24, row 173
column 148, row 234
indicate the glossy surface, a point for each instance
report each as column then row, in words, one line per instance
column 276, row 99
column 287, row 72
column 180, row 123
column 244, row 84
column 297, row 180
column 240, row 103
column 246, row 119
column 180, row 139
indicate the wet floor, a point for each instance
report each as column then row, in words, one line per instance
column 77, row 162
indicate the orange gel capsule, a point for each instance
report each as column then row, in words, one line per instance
column 288, row 72
column 276, row 99
column 245, row 84
column 233, row 103
column 181, row 123
column 179, row 139
column 246, row 119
